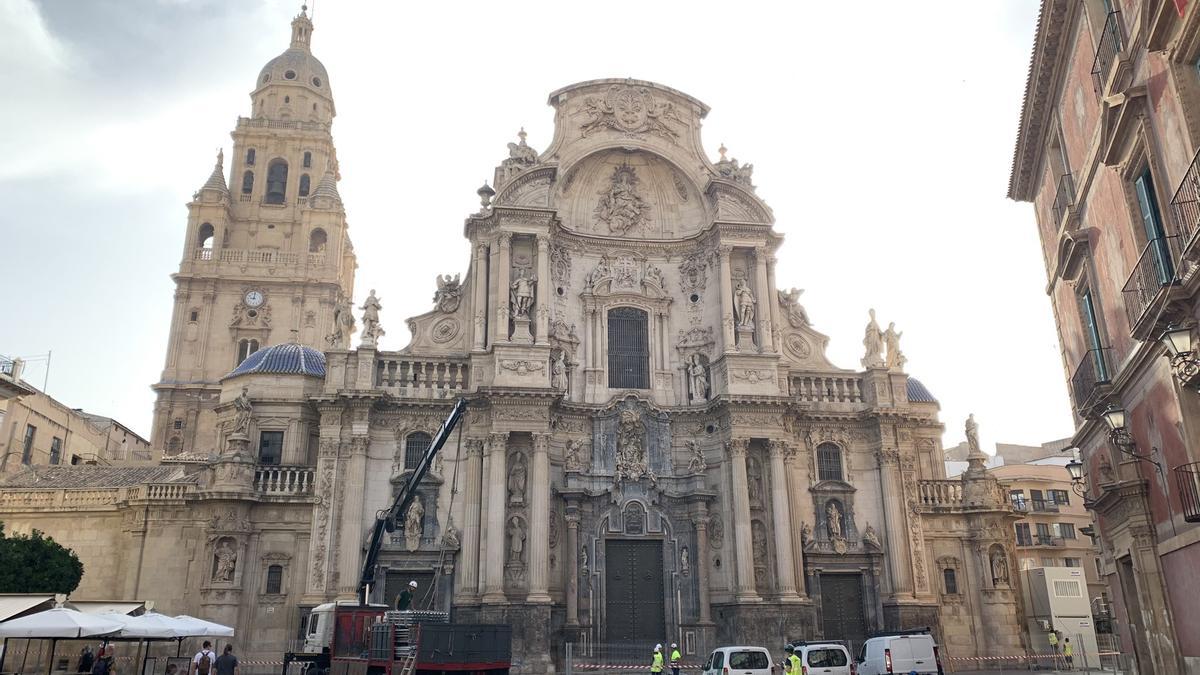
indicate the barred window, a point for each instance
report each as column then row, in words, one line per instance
column 274, row 579
column 414, row 448
column 951, row 580
column 829, row 462
column 628, row 349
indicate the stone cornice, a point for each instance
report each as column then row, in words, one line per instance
column 1050, row 51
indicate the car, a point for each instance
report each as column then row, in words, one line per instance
column 739, row 661
column 823, row 658
column 912, row 651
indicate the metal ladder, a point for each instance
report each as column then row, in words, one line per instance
column 407, row 641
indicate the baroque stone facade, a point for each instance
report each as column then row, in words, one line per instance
column 657, row 448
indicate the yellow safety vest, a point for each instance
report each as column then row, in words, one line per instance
column 1068, row 649
column 675, row 656
column 795, row 663
column 1053, row 639
column 657, row 667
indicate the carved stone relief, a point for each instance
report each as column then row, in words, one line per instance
column 449, row 293
column 621, row 208
column 630, row 110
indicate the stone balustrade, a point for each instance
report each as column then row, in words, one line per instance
column 411, row 377
column 946, row 492
column 166, row 491
column 284, row 480
column 264, row 123
column 825, row 388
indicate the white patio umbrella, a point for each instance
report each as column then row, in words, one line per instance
column 202, row 628
column 59, row 622
column 150, row 625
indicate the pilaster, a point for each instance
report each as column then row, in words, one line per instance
column 762, row 313
column 493, row 571
column 539, row 514
column 542, row 310
column 744, row 547
column 726, row 283
column 479, row 282
column 503, row 279
column 785, row 567
column 472, row 505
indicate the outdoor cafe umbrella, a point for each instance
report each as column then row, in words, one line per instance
column 204, row 628
column 151, row 625
column 55, row 624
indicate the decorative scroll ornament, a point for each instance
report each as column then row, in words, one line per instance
column 621, row 207
column 693, row 274
column 632, row 110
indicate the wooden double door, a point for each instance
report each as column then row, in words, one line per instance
column 634, row 596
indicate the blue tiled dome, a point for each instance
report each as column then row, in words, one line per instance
column 917, row 393
column 285, row 359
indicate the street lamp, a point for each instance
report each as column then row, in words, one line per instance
column 1075, row 468
column 1178, row 341
column 1118, row 434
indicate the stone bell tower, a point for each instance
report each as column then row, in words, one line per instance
column 266, row 257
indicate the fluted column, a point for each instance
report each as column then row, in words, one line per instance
column 744, row 544
column 503, row 272
column 700, row 558
column 785, row 568
column 479, row 279
column 543, row 289
column 762, row 313
column 572, row 556
column 891, row 492
column 727, row 318
column 493, row 572
column 470, row 533
column 539, row 514
column 773, row 302
column 351, row 541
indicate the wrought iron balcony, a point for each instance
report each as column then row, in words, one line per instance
column 1047, row 540
column 1187, row 479
column 1155, row 271
column 1091, row 380
column 1064, row 197
column 1043, row 506
column 1109, row 47
column 1186, row 204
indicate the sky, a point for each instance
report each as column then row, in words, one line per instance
column 881, row 137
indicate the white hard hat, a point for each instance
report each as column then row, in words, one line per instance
column 673, row 645
column 412, row 584
column 658, row 647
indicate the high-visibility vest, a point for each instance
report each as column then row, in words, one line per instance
column 657, row 666
column 675, row 656
column 1053, row 638
column 795, row 663
column 1068, row 649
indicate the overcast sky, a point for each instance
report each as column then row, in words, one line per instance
column 881, row 134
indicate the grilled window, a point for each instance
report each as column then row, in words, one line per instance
column 628, row 349
column 951, row 580
column 414, row 449
column 829, row 462
column 274, row 579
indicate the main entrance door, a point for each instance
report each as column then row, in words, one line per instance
column 633, row 591
column 842, row 607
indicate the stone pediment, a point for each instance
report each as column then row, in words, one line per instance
column 531, row 188
column 734, row 203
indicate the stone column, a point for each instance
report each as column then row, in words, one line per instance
column 542, row 327
column 743, row 543
column 470, row 532
column 503, row 272
column 700, row 521
column 773, row 302
column 727, row 318
column 762, row 313
column 350, row 549
column 572, row 556
column 892, row 494
column 479, row 279
column 785, row 568
column 539, row 527
column 493, row 571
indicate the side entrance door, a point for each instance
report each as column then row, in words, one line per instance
column 633, row 592
column 842, row 608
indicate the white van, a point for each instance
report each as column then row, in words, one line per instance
column 900, row 652
column 739, row 661
column 823, row 658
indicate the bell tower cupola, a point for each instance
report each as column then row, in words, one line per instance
column 295, row 85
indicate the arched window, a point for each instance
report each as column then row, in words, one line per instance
column 628, row 349
column 250, row 157
column 414, row 448
column 951, row 580
column 277, row 173
column 246, row 347
column 248, row 182
column 304, row 182
column 829, row 462
column 275, row 579
column 204, row 238
column 308, row 160
column 317, row 241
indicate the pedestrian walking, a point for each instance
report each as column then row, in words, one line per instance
column 657, row 665
column 675, row 659
column 227, row 663
column 86, row 659
column 1068, row 653
column 202, row 662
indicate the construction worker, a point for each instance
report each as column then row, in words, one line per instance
column 1052, row 638
column 404, row 600
column 675, row 658
column 792, row 662
column 1068, row 653
column 657, row 665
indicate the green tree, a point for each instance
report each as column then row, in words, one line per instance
column 37, row 564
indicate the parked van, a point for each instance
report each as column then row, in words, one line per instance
column 823, row 658
column 739, row 661
column 900, row 652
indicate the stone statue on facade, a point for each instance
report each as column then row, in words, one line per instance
column 743, row 300
column 654, row 276
column 558, row 371
column 698, row 376
column 372, row 330
column 449, row 293
column 631, row 449
column 972, row 428
column 450, row 540
column 790, row 299
column 517, row 476
column 731, row 170
column 521, row 292
column 871, row 538
column 516, row 539
column 520, row 155
column 806, row 534
column 343, row 325
column 225, row 563
column 244, row 411
column 574, row 456
column 873, row 344
column 621, row 207
column 697, row 463
column 600, row 272
column 999, row 568
column 891, row 338
column 833, row 519
column 685, row 562
column 414, row 524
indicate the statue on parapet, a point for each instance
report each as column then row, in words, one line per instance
column 372, row 330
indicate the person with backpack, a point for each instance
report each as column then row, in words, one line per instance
column 202, row 663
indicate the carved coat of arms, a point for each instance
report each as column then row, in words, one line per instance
column 632, row 110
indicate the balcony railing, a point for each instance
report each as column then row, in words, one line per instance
column 284, row 480
column 1043, row 506
column 1154, row 271
column 421, row 377
column 1020, row 505
column 1040, row 540
column 1187, row 479
column 1107, row 50
column 1186, row 204
column 1091, row 379
column 826, row 388
column 1064, row 197
column 258, row 257
column 264, row 123
column 940, row 492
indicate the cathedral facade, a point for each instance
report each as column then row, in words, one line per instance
column 656, row 450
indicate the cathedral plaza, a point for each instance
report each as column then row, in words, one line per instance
column 655, row 446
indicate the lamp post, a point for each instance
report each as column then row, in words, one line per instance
column 1118, row 434
column 1184, row 361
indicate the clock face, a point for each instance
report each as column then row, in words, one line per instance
column 254, row 298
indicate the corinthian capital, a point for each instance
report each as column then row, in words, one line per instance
column 498, row 442
column 737, row 447
column 541, row 442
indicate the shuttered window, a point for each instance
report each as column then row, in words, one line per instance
column 628, row 349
